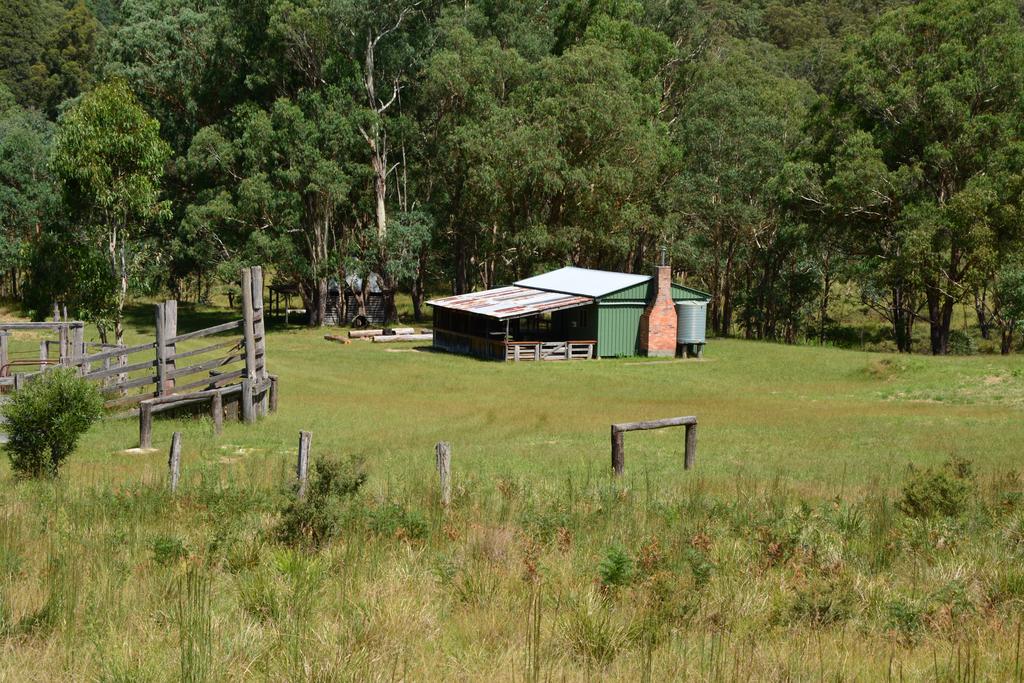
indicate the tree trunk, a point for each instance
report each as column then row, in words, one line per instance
column 981, row 310
column 321, row 302
column 418, row 287
column 1006, row 341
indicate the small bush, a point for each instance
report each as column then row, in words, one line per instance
column 394, row 519
column 168, row 550
column 318, row 518
column 46, row 419
column 943, row 492
column 822, row 604
column 961, row 343
column 616, row 569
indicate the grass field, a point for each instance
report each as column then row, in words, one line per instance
column 786, row 554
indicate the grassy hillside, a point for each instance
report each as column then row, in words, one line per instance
column 791, row 551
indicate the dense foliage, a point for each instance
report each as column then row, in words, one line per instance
column 46, row 418
column 780, row 150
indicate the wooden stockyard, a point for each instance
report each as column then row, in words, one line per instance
column 230, row 374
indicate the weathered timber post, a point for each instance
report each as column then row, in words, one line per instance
column 19, row 380
column 691, row 446
column 166, row 328
column 174, row 461
column 246, row 400
column 145, row 425
column 217, row 413
column 443, row 458
column 43, row 354
column 273, row 393
column 249, row 337
column 78, row 347
column 161, row 351
column 62, row 351
column 259, row 337
column 302, row 466
column 170, row 348
column 4, row 351
column 618, row 450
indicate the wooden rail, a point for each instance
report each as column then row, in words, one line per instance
column 618, row 448
column 138, row 374
column 562, row 350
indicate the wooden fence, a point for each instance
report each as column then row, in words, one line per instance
column 171, row 365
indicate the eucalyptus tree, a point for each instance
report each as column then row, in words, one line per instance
column 109, row 160
column 912, row 156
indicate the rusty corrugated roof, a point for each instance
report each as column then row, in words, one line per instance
column 505, row 303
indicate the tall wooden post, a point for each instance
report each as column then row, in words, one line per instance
column 42, row 354
column 161, row 351
column 78, row 347
column 302, row 466
column 617, row 452
column 217, row 413
column 4, row 352
column 145, row 425
column 246, row 401
column 174, row 461
column 170, row 348
column 259, row 337
column 249, row 337
column 443, row 458
column 691, row 446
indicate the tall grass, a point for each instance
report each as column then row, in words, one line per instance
column 789, row 553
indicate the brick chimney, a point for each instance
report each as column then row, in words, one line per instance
column 658, row 322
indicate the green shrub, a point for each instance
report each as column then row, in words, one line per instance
column 318, row 518
column 616, row 569
column 822, row 604
column 393, row 519
column 961, row 343
column 46, row 418
column 943, row 492
column 168, row 550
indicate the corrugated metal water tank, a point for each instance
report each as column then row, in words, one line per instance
column 691, row 321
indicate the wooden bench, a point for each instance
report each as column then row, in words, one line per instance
column 246, row 392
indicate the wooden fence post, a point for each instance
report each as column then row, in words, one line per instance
column 78, row 347
column 161, row 351
column 42, row 355
column 247, row 325
column 217, row 413
column 259, row 336
column 4, row 340
column 145, row 426
column 174, row 461
column 443, row 458
column 691, row 446
column 170, row 348
column 618, row 452
column 273, row 393
column 19, row 380
column 246, row 400
column 302, row 466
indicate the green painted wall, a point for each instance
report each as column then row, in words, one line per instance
column 618, row 328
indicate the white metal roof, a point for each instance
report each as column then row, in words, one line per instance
column 505, row 303
column 583, row 281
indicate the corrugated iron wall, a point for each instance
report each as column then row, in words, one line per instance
column 618, row 328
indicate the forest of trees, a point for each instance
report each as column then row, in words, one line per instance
column 779, row 149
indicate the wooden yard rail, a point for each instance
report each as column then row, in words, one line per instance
column 159, row 375
column 561, row 350
column 618, row 449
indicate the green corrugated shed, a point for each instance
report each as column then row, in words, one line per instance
column 618, row 316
